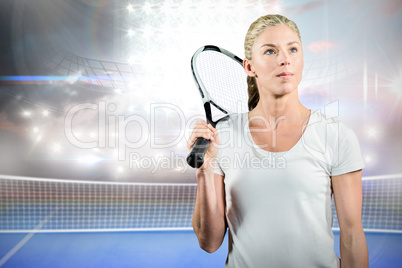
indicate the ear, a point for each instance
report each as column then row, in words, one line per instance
column 248, row 67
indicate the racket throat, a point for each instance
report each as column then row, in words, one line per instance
column 208, row 114
column 214, row 113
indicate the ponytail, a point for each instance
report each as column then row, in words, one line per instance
column 253, row 95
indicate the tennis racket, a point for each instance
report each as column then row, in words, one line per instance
column 222, row 83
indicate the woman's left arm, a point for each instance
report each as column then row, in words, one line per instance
column 347, row 190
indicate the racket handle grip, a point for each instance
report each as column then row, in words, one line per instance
column 196, row 157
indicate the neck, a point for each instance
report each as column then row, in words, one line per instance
column 285, row 109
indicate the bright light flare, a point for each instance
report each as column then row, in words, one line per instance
column 180, row 169
column 277, row 8
column 131, row 60
column 370, row 159
column 396, row 85
column 147, row 8
column 147, row 32
column 168, row 32
column 89, row 160
column 181, row 145
column 372, row 133
column 319, row 46
column 166, row 8
column 27, row 114
column 185, row 8
column 130, row 8
column 45, row 113
column 120, row 169
column 56, row 147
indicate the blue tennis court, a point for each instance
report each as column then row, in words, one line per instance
column 146, row 249
column 60, row 223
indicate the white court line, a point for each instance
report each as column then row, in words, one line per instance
column 16, row 248
column 99, row 230
column 25, row 239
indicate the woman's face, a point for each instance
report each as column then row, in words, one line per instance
column 277, row 61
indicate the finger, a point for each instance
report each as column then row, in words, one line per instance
column 202, row 133
column 214, row 131
column 202, row 127
column 200, row 123
column 199, row 132
column 211, row 127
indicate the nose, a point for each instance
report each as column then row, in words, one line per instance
column 284, row 59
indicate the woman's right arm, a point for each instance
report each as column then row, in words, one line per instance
column 209, row 221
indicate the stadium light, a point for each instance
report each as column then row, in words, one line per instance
column 120, row 169
column 130, row 8
column 147, row 8
column 56, row 147
column 372, row 133
column 89, row 159
column 131, row 60
column 147, row 32
column 397, row 85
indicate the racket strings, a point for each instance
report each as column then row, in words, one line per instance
column 224, row 79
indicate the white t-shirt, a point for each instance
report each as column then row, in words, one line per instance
column 278, row 205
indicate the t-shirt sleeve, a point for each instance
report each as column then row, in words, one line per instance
column 218, row 169
column 348, row 157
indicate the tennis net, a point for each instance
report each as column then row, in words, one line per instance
column 53, row 205
column 61, row 205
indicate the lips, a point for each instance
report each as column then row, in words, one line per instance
column 285, row 75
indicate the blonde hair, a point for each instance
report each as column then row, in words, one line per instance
column 256, row 28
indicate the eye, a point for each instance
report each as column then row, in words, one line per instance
column 293, row 50
column 269, row 52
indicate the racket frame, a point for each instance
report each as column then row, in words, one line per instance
column 196, row 157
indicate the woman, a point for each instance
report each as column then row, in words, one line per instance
column 272, row 181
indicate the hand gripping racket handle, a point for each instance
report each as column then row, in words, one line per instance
column 196, row 157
